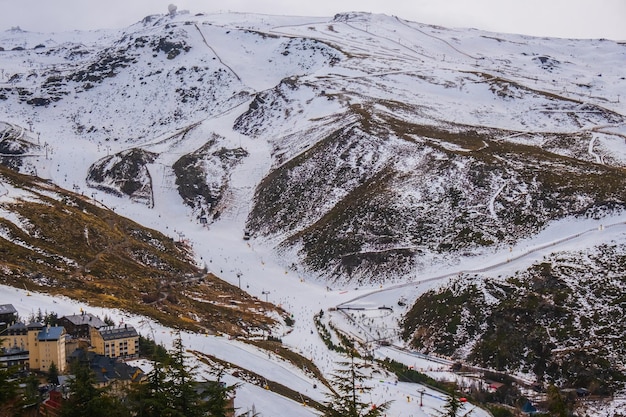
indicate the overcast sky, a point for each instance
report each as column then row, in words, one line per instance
column 558, row 18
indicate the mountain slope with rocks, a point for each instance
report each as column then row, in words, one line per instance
column 357, row 151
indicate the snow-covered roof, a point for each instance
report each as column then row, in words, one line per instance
column 7, row 309
column 118, row 332
column 89, row 319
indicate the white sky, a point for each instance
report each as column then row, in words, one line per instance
column 558, row 18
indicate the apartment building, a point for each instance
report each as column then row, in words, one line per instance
column 115, row 341
column 79, row 325
column 43, row 344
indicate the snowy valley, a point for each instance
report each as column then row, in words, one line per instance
column 448, row 192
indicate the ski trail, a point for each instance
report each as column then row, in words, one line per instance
column 492, row 200
column 437, row 38
column 238, row 200
column 555, row 244
column 165, row 191
column 597, row 157
column 215, row 53
column 382, row 49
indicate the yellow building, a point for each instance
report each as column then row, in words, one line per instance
column 115, row 341
column 15, row 336
column 44, row 344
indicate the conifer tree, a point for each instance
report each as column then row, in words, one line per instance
column 50, row 319
column 149, row 399
column 82, row 391
column 345, row 401
column 8, row 393
column 556, row 404
column 85, row 399
column 53, row 374
column 30, row 390
column 183, row 396
column 171, row 390
column 218, row 395
column 108, row 321
column 452, row 407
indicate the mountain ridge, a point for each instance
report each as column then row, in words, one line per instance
column 360, row 150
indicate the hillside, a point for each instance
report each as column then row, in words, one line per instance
column 558, row 321
column 358, row 153
column 63, row 243
column 374, row 124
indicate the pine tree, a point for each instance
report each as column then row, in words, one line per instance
column 82, row 392
column 171, row 390
column 344, row 401
column 452, row 407
column 184, row 398
column 108, row 321
column 8, row 393
column 50, row 319
column 218, row 395
column 85, row 400
column 30, row 390
column 555, row 402
column 150, row 349
column 53, row 374
column 150, row 399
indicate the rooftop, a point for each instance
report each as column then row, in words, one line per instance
column 51, row 333
column 7, row 309
column 17, row 326
column 107, row 369
column 85, row 318
column 118, row 332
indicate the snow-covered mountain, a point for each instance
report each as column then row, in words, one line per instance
column 392, row 144
column 358, row 150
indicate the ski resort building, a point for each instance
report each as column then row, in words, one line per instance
column 44, row 345
column 115, row 341
column 78, row 325
column 8, row 315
